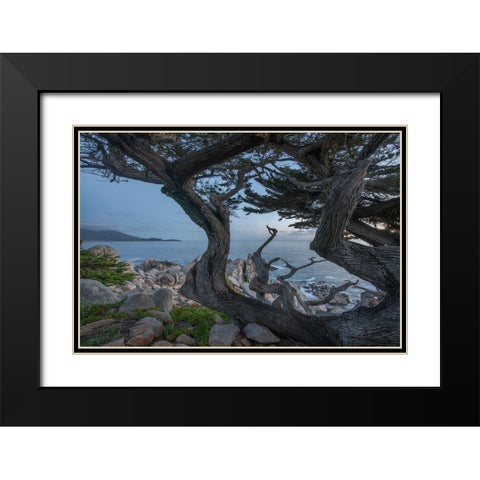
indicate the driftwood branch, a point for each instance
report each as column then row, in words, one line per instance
column 273, row 233
column 294, row 270
column 331, row 294
column 286, row 294
column 261, row 266
column 273, row 260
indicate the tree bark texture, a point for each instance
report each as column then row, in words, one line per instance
column 378, row 265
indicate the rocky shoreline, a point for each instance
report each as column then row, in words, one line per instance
column 142, row 309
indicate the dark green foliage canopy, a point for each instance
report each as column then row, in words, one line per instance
column 289, row 173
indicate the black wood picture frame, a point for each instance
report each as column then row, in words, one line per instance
column 24, row 77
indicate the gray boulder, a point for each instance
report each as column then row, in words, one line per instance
column 142, row 339
column 95, row 327
column 162, row 343
column 250, row 268
column 119, row 342
column 164, row 317
column 151, row 263
column 129, row 267
column 340, row 299
column 319, row 308
column 139, row 301
column 246, row 290
column 104, row 250
column 242, row 342
column 92, row 292
column 135, row 291
column 259, row 334
column 163, row 298
column 370, row 299
column 127, row 286
column 186, row 340
column 137, row 330
column 334, row 310
column 167, row 280
column 236, row 270
column 155, row 325
column 222, row 335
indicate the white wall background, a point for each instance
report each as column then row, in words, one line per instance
column 214, row 26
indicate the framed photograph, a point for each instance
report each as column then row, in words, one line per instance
column 218, row 231
column 197, row 299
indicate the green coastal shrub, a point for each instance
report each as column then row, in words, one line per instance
column 200, row 318
column 104, row 268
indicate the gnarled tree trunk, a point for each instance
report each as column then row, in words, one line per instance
column 206, row 280
column 378, row 265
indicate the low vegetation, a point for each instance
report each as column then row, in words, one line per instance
column 194, row 321
column 92, row 313
column 104, row 336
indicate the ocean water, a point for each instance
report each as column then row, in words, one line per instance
column 295, row 251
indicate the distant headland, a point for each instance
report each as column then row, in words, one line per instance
column 114, row 236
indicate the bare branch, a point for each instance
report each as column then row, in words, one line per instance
column 273, row 232
column 260, row 282
column 294, row 270
column 273, row 260
column 331, row 293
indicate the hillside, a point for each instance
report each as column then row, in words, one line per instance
column 114, row 236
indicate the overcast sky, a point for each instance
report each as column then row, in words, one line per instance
column 141, row 209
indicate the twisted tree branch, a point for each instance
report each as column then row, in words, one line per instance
column 331, row 293
column 294, row 270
